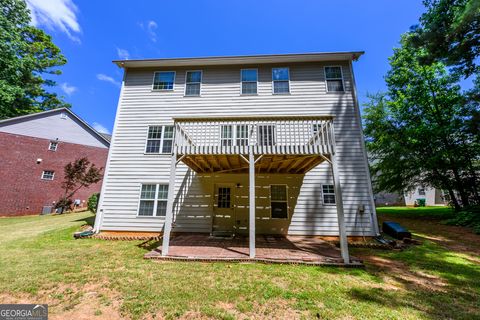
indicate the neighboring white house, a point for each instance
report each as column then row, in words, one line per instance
column 432, row 196
column 268, row 144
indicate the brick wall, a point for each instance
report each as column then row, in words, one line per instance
column 22, row 191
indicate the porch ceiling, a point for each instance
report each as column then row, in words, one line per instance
column 291, row 164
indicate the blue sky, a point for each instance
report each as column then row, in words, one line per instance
column 93, row 33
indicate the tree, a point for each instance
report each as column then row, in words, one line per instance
column 78, row 174
column 450, row 32
column 420, row 130
column 26, row 55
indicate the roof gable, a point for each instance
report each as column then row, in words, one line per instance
column 58, row 124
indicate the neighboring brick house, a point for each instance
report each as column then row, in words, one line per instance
column 34, row 151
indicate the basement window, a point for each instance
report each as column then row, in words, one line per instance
column 328, row 194
column 278, row 201
column 153, row 200
column 334, row 78
column 48, row 175
column 53, row 146
column 159, row 140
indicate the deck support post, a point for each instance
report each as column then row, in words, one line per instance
column 340, row 212
column 251, row 197
column 167, row 227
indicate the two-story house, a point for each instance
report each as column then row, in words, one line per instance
column 266, row 144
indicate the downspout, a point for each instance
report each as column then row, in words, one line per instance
column 373, row 215
column 99, row 214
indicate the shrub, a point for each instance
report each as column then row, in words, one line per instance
column 468, row 217
column 92, row 202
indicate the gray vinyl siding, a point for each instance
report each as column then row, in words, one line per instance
column 140, row 106
column 52, row 126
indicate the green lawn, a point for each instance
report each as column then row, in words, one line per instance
column 89, row 278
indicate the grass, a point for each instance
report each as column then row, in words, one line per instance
column 41, row 262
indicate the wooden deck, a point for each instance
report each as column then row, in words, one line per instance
column 270, row 249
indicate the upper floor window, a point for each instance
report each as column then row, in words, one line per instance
column 193, row 82
column 249, row 79
column 159, row 139
column 281, row 80
column 153, row 200
column 334, row 78
column 53, row 146
column 421, row 191
column 328, row 194
column 279, row 201
column 163, row 80
column 48, row 175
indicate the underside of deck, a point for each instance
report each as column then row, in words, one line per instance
column 292, row 164
column 269, row 248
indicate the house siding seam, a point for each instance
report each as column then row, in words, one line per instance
column 22, row 191
column 139, row 107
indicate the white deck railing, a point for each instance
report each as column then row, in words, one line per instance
column 263, row 135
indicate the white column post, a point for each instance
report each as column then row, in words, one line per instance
column 167, row 228
column 251, row 220
column 341, row 218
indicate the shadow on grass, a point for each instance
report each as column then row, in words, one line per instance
column 457, row 296
column 88, row 220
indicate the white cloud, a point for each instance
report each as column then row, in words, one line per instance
column 150, row 28
column 56, row 15
column 123, row 54
column 104, row 77
column 100, row 128
column 68, row 89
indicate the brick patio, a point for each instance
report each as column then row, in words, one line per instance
column 269, row 249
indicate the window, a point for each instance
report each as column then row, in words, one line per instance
column 159, row 139
column 421, row 191
column 192, row 83
column 328, row 194
column 278, row 201
column 153, row 200
column 48, row 175
column 226, row 135
column 163, row 80
column 281, row 80
column 223, row 200
column 242, row 135
column 53, row 146
column 234, row 135
column 249, row 79
column 334, row 78
column 266, row 135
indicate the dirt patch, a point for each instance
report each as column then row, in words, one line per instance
column 397, row 275
column 272, row 309
column 72, row 302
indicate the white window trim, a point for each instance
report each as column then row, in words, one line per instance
column 289, row 84
column 286, row 201
column 164, row 90
column 325, row 75
column 201, row 81
column 161, row 139
column 274, row 137
column 334, row 194
column 155, row 203
column 43, row 172
column 53, row 143
column 241, row 86
column 234, row 135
